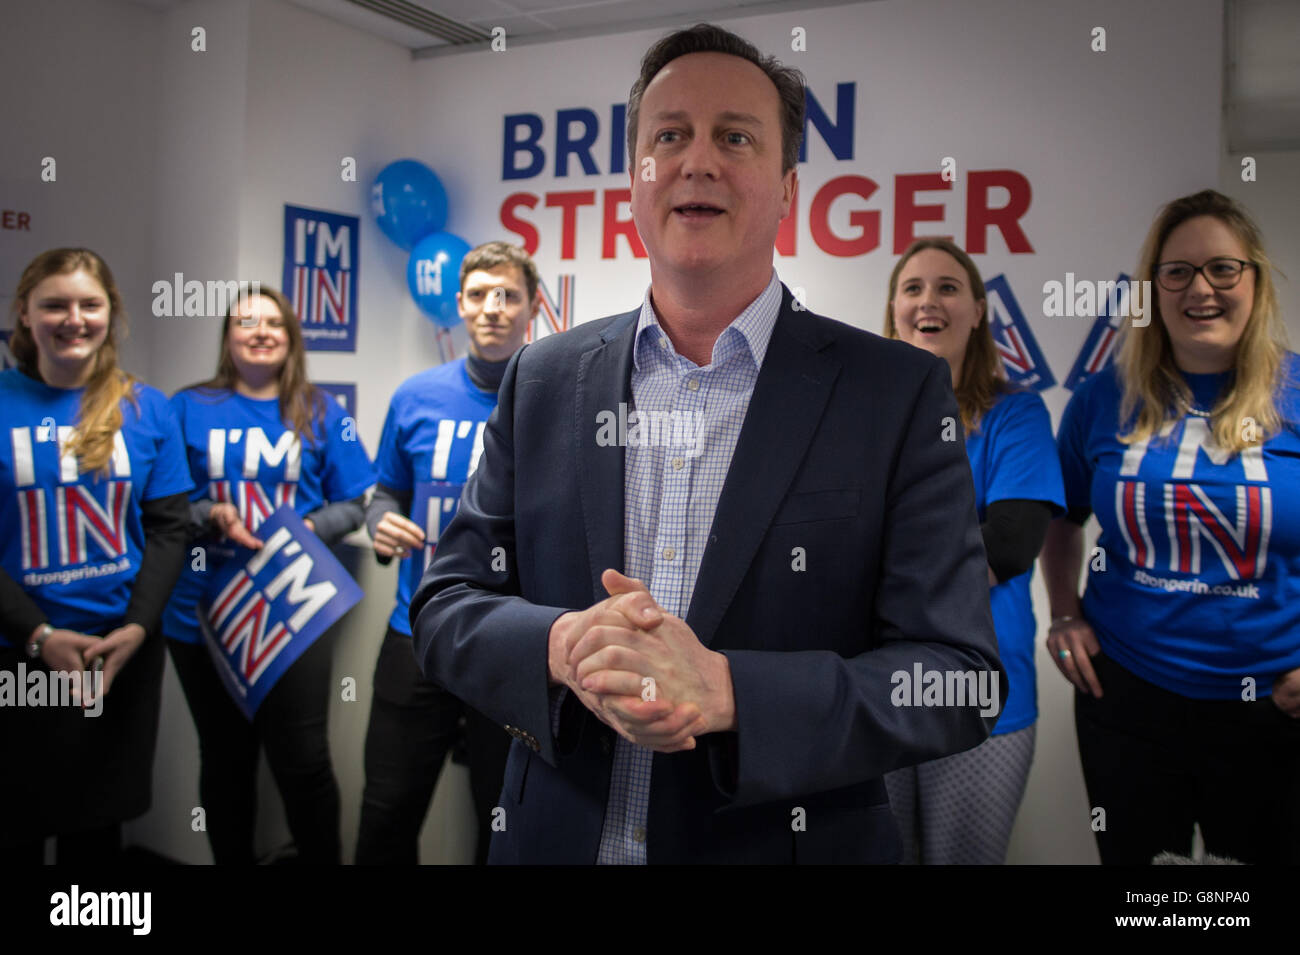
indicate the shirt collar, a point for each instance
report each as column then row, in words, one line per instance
column 753, row 326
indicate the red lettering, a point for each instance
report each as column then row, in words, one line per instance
column 614, row 226
column 906, row 211
column 7, row 221
column 569, row 203
column 979, row 217
column 866, row 221
column 527, row 232
column 24, row 221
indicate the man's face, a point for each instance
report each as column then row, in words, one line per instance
column 495, row 307
column 711, row 124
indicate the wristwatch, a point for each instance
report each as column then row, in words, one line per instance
column 34, row 648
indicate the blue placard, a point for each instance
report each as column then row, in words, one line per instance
column 1098, row 349
column 321, row 265
column 1021, row 357
column 342, row 392
column 266, row 607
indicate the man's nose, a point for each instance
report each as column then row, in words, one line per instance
column 496, row 301
column 701, row 158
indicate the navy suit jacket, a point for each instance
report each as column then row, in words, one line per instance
column 845, row 548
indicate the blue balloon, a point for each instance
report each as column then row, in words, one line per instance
column 433, row 276
column 408, row 202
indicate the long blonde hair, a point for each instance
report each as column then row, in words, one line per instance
column 982, row 377
column 100, row 415
column 1152, row 387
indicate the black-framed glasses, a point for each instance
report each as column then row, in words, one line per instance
column 1221, row 272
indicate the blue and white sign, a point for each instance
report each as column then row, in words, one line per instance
column 321, row 262
column 1098, row 349
column 268, row 606
column 1021, row 357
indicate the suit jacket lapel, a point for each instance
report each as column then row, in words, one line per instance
column 604, row 383
column 790, row 394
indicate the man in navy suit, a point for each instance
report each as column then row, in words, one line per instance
column 708, row 540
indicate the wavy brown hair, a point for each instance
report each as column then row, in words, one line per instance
column 1154, row 393
column 982, row 377
column 100, row 415
column 302, row 404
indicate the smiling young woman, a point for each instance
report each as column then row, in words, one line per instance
column 960, row 809
column 1185, row 647
column 258, row 435
column 93, row 520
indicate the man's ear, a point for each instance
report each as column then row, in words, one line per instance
column 789, row 186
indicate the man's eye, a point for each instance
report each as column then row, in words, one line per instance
column 948, row 287
column 738, row 139
column 667, row 133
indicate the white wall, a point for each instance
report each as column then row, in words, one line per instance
column 81, row 86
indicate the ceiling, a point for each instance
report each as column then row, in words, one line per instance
column 1261, row 96
column 441, row 27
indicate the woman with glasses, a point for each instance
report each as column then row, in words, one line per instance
column 1185, row 648
column 93, row 521
column 260, row 435
column 959, row 810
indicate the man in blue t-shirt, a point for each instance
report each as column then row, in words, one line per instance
column 431, row 442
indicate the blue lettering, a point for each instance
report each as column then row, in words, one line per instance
column 618, row 138
column 838, row 136
column 512, row 145
column 580, row 147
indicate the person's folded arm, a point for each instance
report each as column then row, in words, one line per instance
column 167, row 524
column 21, row 615
column 337, row 519
column 1013, row 532
column 810, row 721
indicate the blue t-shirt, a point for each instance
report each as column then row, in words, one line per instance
column 431, row 443
column 1201, row 586
column 74, row 539
column 1012, row 457
column 241, row 452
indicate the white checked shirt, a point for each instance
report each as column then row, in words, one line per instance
column 672, row 481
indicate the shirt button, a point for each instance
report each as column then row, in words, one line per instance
column 677, row 464
column 693, row 384
column 669, row 553
column 663, row 343
column 638, row 834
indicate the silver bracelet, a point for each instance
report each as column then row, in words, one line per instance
column 1059, row 620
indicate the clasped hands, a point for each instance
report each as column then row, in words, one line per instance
column 603, row 655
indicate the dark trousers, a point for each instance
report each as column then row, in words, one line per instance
column 1157, row 762
column 291, row 724
column 414, row 723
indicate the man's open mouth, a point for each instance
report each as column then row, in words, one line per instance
column 697, row 210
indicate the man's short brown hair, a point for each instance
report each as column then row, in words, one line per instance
column 491, row 255
column 707, row 38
